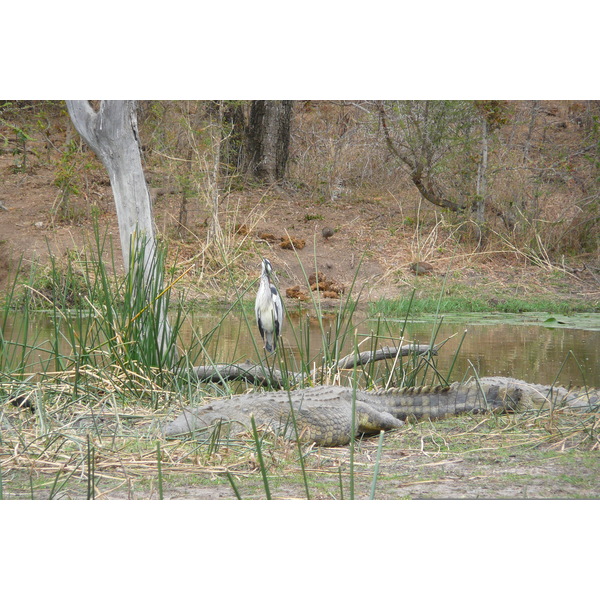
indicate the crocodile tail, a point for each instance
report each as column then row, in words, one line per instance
column 414, row 390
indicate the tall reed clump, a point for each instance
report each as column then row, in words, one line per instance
column 121, row 327
column 139, row 331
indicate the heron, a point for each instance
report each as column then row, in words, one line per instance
column 268, row 308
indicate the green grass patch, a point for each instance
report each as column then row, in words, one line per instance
column 398, row 307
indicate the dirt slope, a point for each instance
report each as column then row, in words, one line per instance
column 376, row 228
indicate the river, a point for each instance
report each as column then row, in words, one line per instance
column 529, row 347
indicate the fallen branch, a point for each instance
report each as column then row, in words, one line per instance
column 262, row 375
column 246, row 371
column 348, row 362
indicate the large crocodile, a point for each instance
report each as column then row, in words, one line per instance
column 323, row 414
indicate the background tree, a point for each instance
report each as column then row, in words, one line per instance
column 427, row 137
column 422, row 134
column 268, row 139
column 492, row 115
column 215, row 232
column 444, row 147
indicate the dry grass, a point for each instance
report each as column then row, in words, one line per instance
column 47, row 455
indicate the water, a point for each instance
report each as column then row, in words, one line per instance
column 525, row 348
column 530, row 352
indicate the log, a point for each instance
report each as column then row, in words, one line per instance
column 348, row 362
column 262, row 375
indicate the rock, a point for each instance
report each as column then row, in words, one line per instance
column 327, row 232
column 421, row 268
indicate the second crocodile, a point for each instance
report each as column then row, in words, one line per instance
column 323, row 414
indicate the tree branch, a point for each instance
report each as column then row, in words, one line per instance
column 349, row 361
column 84, row 119
column 421, row 181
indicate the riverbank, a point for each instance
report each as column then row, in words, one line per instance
column 513, row 289
column 381, row 228
column 520, row 291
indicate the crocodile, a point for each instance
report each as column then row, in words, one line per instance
column 323, row 414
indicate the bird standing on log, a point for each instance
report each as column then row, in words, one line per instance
column 268, row 308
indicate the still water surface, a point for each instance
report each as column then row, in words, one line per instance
column 524, row 349
column 529, row 351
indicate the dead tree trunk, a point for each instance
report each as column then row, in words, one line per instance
column 215, row 232
column 112, row 134
column 269, row 139
column 481, row 184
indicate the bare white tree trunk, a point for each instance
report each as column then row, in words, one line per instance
column 112, row 134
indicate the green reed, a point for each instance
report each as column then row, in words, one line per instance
column 125, row 326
